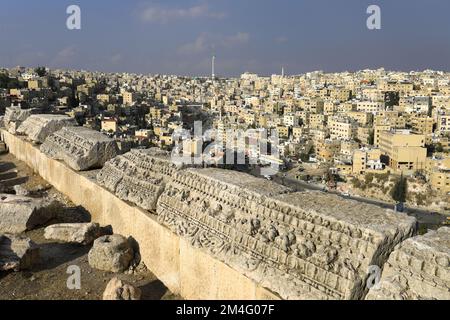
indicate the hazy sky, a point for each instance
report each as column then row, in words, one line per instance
column 179, row 37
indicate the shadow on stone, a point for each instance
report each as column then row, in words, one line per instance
column 71, row 215
column 137, row 255
column 8, row 176
column 14, row 182
column 56, row 254
column 7, row 166
column 154, row 290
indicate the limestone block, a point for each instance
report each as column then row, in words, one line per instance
column 14, row 116
column 81, row 233
column 80, row 148
column 138, row 176
column 19, row 214
column 419, row 268
column 303, row 245
column 38, row 127
column 112, row 253
column 17, row 253
column 121, row 290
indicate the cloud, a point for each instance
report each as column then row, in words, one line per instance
column 208, row 41
column 157, row 14
column 281, row 39
column 64, row 56
column 115, row 59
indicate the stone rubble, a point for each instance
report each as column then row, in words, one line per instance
column 418, row 269
column 38, row 127
column 121, row 290
column 17, row 253
column 80, row 148
column 81, row 233
column 112, row 253
column 21, row 190
column 14, row 116
column 19, row 214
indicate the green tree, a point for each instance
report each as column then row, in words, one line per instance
column 4, row 80
column 40, row 71
column 400, row 190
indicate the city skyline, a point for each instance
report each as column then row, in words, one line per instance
column 181, row 37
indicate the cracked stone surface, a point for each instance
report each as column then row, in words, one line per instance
column 303, row 245
column 80, row 148
column 419, row 268
column 138, row 176
column 19, row 214
column 38, row 127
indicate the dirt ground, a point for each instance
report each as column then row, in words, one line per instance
column 48, row 279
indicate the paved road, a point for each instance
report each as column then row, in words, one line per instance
column 432, row 220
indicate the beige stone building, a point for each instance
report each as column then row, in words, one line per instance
column 405, row 151
column 438, row 173
column 109, row 125
column 129, row 98
column 327, row 149
column 342, row 128
column 365, row 160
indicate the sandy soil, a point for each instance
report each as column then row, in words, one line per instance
column 48, row 279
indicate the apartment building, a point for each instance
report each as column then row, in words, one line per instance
column 342, row 128
column 365, row 160
column 373, row 107
column 403, row 150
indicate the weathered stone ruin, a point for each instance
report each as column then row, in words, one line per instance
column 121, row 290
column 19, row 214
column 38, row 127
column 419, row 268
column 80, row 148
column 212, row 233
column 138, row 176
column 81, row 233
column 14, row 116
column 113, row 253
column 300, row 245
column 17, row 253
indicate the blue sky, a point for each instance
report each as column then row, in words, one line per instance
column 179, row 36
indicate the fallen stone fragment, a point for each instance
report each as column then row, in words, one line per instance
column 19, row 214
column 79, row 147
column 21, row 190
column 121, row 290
column 17, row 253
column 14, row 116
column 81, row 233
column 38, row 127
column 418, row 269
column 112, row 253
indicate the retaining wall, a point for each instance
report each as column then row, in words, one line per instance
column 183, row 269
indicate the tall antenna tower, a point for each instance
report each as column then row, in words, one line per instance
column 213, row 65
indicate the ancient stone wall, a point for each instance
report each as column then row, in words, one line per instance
column 79, row 147
column 419, row 268
column 218, row 234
